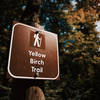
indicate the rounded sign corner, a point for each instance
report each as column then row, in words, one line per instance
column 16, row 25
column 11, row 73
column 56, row 76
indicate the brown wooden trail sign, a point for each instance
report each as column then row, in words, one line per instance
column 33, row 53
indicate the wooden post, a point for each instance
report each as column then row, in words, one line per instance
column 34, row 93
column 23, row 89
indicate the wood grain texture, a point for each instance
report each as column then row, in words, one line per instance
column 34, row 93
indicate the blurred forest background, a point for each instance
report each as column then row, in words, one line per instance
column 77, row 23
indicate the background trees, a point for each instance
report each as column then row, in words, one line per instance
column 75, row 23
column 82, row 43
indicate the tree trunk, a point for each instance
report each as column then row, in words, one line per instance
column 34, row 93
column 29, row 89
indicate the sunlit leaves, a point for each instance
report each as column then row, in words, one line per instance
column 83, row 26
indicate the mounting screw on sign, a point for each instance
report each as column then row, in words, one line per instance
column 33, row 52
column 36, row 75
